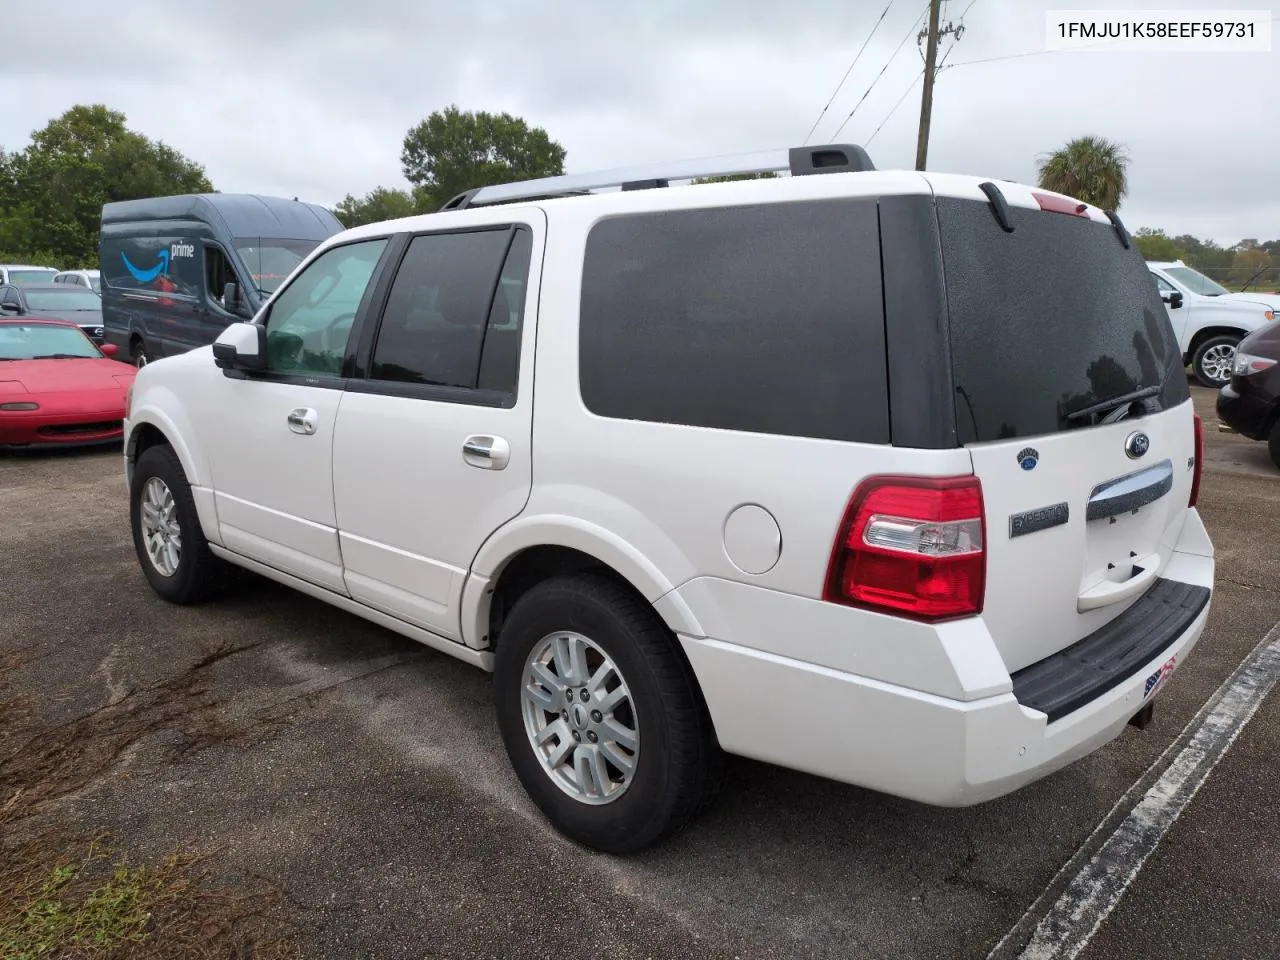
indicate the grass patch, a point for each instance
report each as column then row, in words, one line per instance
column 90, row 902
column 64, row 896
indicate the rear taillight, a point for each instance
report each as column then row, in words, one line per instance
column 912, row 546
column 1198, row 469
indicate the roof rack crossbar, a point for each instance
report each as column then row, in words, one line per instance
column 833, row 158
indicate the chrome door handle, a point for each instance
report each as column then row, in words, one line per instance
column 486, row 452
column 303, row 421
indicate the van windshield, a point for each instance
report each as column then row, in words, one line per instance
column 1048, row 321
column 271, row 260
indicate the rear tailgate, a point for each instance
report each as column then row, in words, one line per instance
column 1050, row 324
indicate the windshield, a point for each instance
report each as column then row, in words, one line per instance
column 1196, row 282
column 270, row 260
column 30, row 276
column 27, row 341
column 1048, row 321
column 96, row 284
column 72, row 298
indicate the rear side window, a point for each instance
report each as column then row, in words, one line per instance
column 453, row 315
column 1048, row 320
column 767, row 319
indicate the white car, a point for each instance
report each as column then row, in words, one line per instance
column 731, row 467
column 92, row 279
column 1208, row 319
column 20, row 273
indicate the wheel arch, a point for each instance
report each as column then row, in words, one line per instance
column 1213, row 330
column 524, row 554
column 150, row 426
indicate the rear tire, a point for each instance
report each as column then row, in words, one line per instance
column 1273, row 443
column 139, row 353
column 180, row 569
column 1212, row 360
column 573, row 775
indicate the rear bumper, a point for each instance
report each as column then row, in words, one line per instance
column 917, row 745
column 1247, row 412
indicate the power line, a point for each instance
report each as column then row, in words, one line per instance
column 895, row 107
column 892, row 57
column 856, row 57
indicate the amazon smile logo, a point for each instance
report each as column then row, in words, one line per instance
column 185, row 250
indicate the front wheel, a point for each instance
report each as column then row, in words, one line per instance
column 601, row 716
column 167, row 537
column 1213, row 359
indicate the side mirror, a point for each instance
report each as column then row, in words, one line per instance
column 1175, row 300
column 10, row 308
column 241, row 347
column 109, row 349
column 231, row 300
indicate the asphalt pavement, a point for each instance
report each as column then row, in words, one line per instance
column 362, row 776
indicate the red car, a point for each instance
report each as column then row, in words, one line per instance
column 57, row 388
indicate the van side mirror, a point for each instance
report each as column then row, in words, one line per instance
column 231, row 301
column 241, row 347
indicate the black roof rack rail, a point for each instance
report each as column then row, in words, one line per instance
column 999, row 206
column 798, row 161
column 1120, row 230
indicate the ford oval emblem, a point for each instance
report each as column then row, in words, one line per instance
column 1136, row 445
column 1028, row 457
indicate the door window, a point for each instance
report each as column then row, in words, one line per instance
column 218, row 272
column 1165, row 286
column 453, row 314
column 310, row 321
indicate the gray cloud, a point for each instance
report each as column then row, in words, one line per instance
column 313, row 98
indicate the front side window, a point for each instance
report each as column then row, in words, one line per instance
column 218, row 272
column 450, row 320
column 309, row 323
column 1164, row 285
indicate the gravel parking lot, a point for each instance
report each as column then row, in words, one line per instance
column 360, row 779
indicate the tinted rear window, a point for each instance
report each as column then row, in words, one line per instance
column 767, row 319
column 1048, row 320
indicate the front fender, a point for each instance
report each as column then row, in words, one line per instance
column 162, row 409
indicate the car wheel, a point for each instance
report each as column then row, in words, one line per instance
column 1273, row 444
column 167, row 537
column 601, row 716
column 1213, row 359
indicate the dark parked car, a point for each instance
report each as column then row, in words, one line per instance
column 55, row 301
column 1250, row 402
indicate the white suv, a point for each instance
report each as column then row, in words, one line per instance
column 880, row 475
column 1208, row 319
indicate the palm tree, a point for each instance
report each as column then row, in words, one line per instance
column 1089, row 168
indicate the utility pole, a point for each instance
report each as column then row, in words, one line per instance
column 930, row 73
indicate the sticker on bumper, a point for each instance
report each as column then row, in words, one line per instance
column 1155, row 682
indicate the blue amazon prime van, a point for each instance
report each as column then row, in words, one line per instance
column 176, row 271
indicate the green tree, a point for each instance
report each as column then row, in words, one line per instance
column 1089, row 168
column 380, row 203
column 452, row 151
column 52, row 192
column 1155, row 245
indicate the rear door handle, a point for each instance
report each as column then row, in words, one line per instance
column 303, row 421
column 486, row 452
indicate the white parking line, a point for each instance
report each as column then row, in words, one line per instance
column 1069, row 924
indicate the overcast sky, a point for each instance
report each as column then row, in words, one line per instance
column 311, row 98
